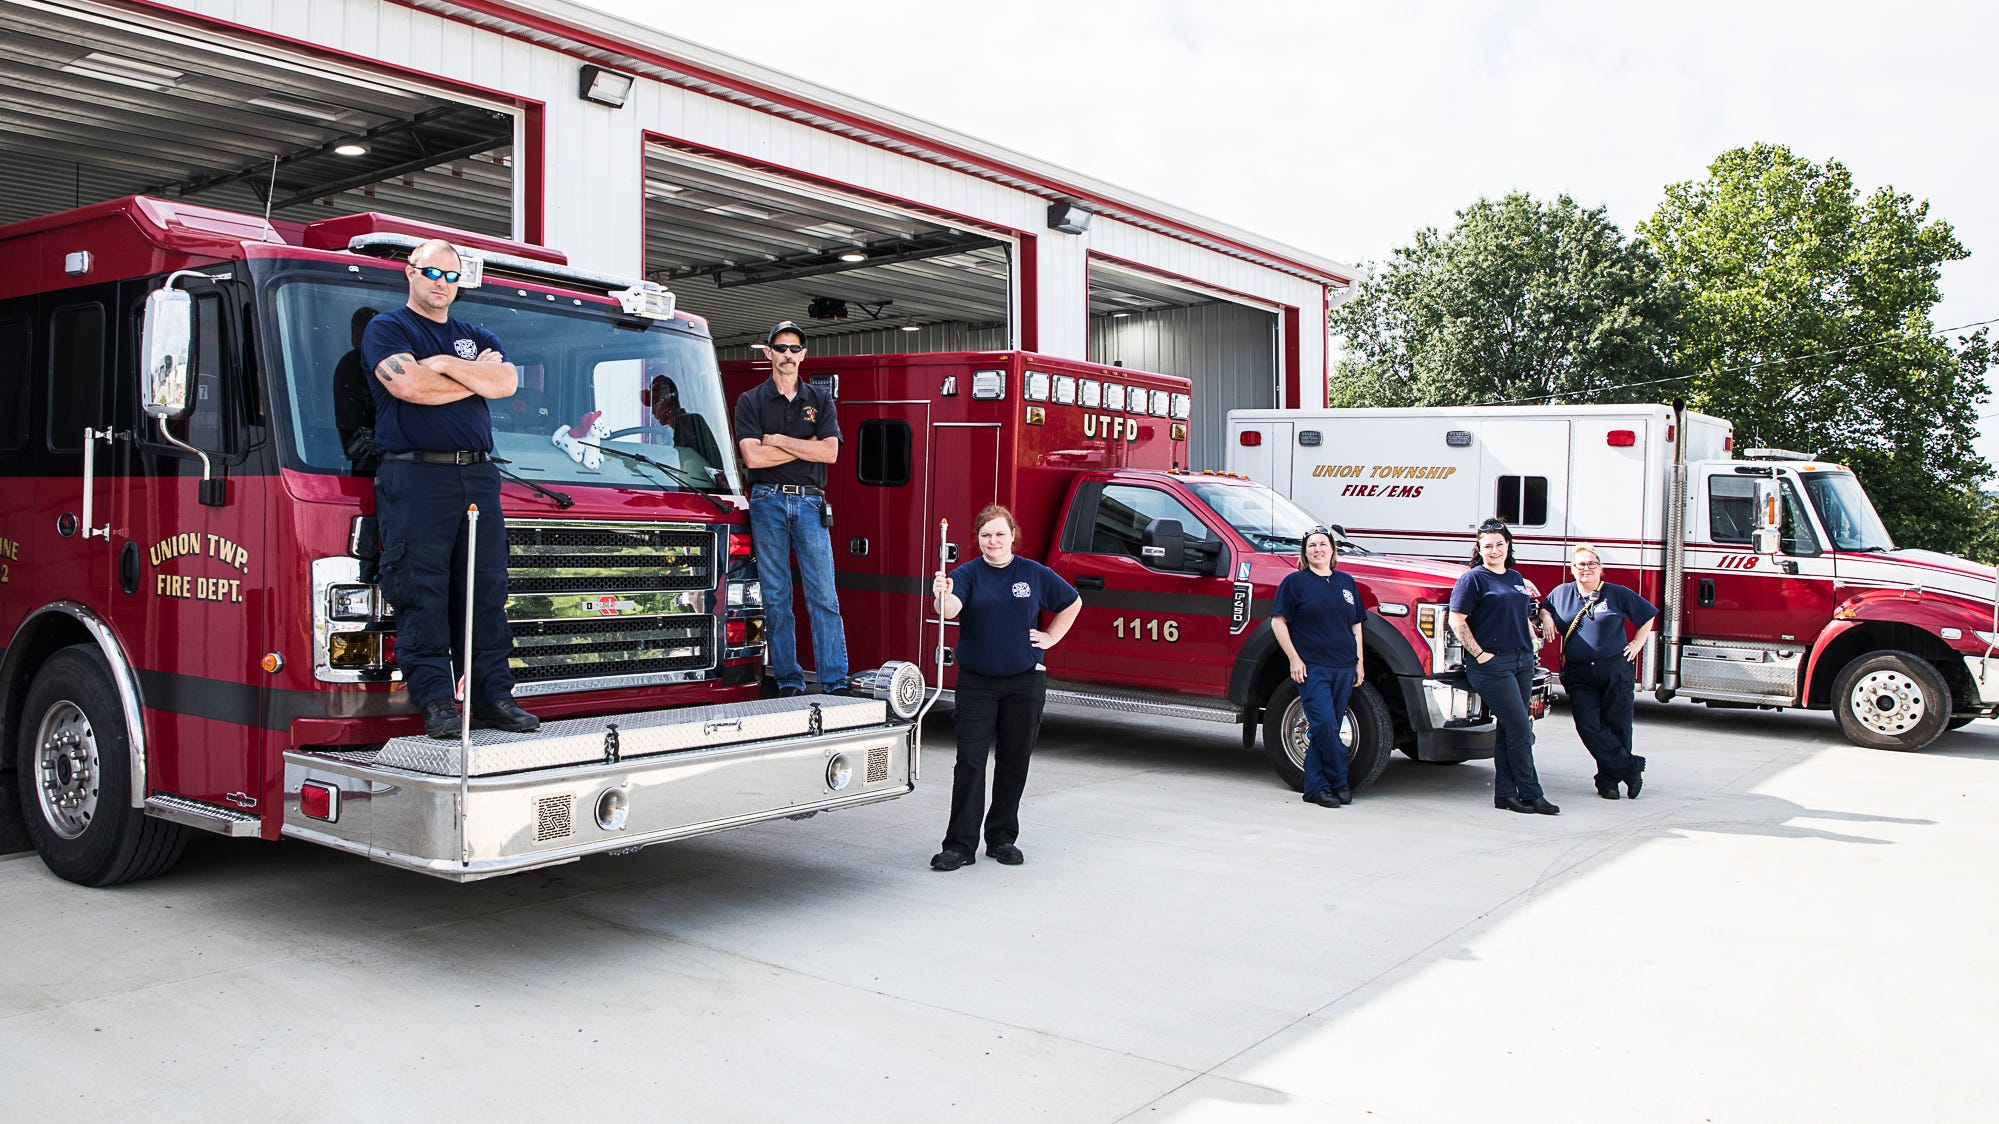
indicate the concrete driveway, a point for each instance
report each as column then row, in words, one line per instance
column 1784, row 927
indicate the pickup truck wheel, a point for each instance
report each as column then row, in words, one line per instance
column 1368, row 730
column 75, row 779
column 1891, row 700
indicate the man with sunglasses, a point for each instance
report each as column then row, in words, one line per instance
column 436, row 440
column 788, row 434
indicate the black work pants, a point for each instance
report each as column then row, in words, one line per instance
column 420, row 509
column 1600, row 698
column 1001, row 714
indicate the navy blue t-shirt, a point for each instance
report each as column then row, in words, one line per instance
column 1601, row 634
column 405, row 427
column 1320, row 613
column 1496, row 607
column 1001, row 604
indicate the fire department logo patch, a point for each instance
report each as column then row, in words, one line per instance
column 466, row 349
column 812, row 414
column 1348, row 594
column 1020, row 590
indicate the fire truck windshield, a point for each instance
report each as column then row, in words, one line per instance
column 1846, row 512
column 1271, row 523
column 601, row 401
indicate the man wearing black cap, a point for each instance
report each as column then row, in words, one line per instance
column 788, row 434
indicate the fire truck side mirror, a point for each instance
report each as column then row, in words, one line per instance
column 1768, row 535
column 167, row 342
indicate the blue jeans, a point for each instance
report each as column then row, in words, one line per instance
column 1325, row 692
column 783, row 525
column 1504, row 682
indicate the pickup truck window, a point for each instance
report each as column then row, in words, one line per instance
column 1269, row 522
column 1124, row 511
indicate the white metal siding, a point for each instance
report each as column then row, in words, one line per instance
column 1230, row 352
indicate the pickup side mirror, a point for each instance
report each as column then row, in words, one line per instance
column 1165, row 547
column 1768, row 535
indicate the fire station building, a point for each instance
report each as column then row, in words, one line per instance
column 754, row 195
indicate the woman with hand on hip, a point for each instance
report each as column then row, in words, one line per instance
column 1493, row 614
column 999, row 599
column 1591, row 615
column 1317, row 620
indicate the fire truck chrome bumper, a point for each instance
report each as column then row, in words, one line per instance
column 1984, row 678
column 521, row 821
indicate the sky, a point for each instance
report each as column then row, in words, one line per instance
column 1342, row 128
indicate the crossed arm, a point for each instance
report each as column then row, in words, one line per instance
column 447, row 378
column 773, row 449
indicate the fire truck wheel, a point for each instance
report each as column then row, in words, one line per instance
column 1891, row 700
column 75, row 778
column 1368, row 730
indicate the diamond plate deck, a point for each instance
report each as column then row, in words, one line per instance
column 583, row 741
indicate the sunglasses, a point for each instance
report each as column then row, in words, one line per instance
column 790, row 348
column 432, row 273
column 1491, row 526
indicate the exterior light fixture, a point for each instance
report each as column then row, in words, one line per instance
column 351, row 148
column 605, row 87
column 1068, row 216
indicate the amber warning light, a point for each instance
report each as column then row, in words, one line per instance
column 1250, row 438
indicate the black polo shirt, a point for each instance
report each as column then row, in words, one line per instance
column 808, row 417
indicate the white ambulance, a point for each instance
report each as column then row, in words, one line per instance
column 1777, row 583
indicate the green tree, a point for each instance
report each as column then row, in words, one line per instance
column 1520, row 300
column 1805, row 320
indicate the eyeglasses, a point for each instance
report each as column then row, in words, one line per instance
column 1585, row 565
column 433, row 273
column 789, row 348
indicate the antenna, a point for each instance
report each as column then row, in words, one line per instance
column 270, row 196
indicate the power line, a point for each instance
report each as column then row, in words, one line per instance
column 1879, row 342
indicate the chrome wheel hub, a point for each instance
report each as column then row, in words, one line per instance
column 1887, row 702
column 1298, row 731
column 66, row 770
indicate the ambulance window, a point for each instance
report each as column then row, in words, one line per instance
column 1123, row 512
column 1522, row 500
column 14, row 385
column 1731, row 509
column 76, row 375
column 884, row 452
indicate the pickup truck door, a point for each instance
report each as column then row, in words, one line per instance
column 1141, row 626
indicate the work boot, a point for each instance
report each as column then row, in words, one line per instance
column 504, row 713
column 440, row 719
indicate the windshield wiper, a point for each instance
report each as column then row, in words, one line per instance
column 692, row 482
column 561, row 501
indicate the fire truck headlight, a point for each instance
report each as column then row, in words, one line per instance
column 354, row 650
column 351, row 602
column 745, row 595
column 839, row 772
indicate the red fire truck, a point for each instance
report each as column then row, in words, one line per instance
column 194, row 637
column 1177, row 568
column 1777, row 583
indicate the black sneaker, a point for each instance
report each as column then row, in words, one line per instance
column 1006, row 854
column 790, row 692
column 504, row 713
column 440, row 719
column 950, row 860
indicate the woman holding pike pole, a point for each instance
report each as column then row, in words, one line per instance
column 1001, row 683
column 1493, row 614
column 1591, row 615
column 1317, row 621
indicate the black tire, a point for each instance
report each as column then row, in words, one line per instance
column 1891, row 700
column 1369, row 731
column 1960, row 722
column 75, row 779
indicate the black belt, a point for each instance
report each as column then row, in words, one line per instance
column 459, row 456
column 1600, row 659
column 798, row 489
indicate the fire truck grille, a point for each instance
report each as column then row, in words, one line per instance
column 589, row 558
column 570, row 649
